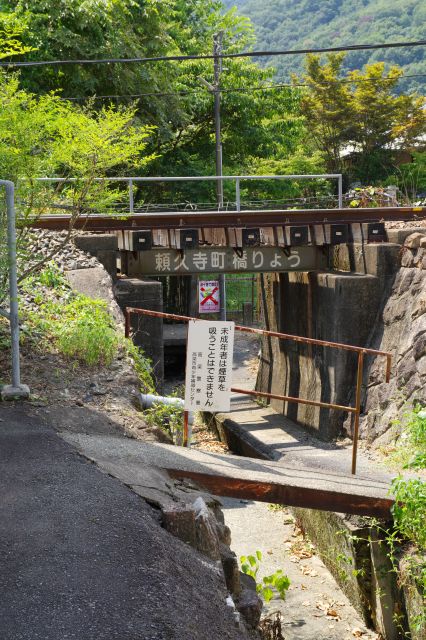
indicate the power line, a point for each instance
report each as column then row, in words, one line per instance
column 270, row 87
column 183, row 58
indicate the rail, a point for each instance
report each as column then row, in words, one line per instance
column 223, row 219
column 361, row 351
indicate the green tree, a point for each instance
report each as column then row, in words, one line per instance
column 255, row 124
column 12, row 28
column 357, row 122
column 45, row 135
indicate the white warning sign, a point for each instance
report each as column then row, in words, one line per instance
column 209, row 360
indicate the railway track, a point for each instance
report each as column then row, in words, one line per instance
column 230, row 219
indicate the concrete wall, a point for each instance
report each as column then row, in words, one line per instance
column 336, row 306
column 410, row 568
column 147, row 332
column 357, row 556
column 103, row 246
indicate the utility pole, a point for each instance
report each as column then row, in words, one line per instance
column 217, row 50
column 215, row 90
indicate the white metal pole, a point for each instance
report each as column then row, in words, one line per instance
column 16, row 389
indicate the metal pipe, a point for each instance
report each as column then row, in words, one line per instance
column 388, row 367
column 16, row 388
column 148, row 400
column 276, row 334
column 275, row 396
column 127, row 323
column 13, row 281
column 131, row 199
column 357, row 409
column 237, row 195
column 340, row 191
column 186, row 428
column 304, row 176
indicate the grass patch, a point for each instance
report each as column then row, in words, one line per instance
column 78, row 327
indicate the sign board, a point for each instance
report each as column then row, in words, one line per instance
column 209, row 358
column 226, row 260
column 208, row 296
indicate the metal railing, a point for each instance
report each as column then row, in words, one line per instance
column 16, row 389
column 132, row 180
column 361, row 351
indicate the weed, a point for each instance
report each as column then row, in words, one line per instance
column 51, row 277
column 409, row 510
column 410, row 448
column 77, row 326
column 169, row 418
column 142, row 366
column 276, row 583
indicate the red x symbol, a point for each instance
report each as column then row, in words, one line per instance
column 210, row 296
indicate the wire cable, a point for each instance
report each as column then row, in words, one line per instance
column 183, row 58
column 271, row 87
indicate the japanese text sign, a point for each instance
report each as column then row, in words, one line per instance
column 209, row 360
column 208, row 296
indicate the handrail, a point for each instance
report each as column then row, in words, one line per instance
column 285, row 336
column 131, row 180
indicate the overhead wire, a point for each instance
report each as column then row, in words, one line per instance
column 271, row 87
column 183, row 58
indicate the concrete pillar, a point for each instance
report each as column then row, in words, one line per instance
column 147, row 331
column 104, row 247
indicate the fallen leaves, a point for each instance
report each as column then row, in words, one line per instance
column 301, row 549
column 308, row 571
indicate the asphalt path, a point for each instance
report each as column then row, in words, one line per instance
column 84, row 558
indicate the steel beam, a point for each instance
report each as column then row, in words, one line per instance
column 215, row 219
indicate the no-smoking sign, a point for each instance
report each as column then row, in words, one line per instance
column 208, row 296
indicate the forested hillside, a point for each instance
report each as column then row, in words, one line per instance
column 264, row 129
column 291, row 24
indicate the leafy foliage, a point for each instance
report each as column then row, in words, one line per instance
column 142, row 365
column 277, row 583
column 183, row 137
column 358, row 126
column 410, row 445
column 12, row 29
column 409, row 510
column 167, row 417
column 80, row 328
column 410, row 177
column 44, row 135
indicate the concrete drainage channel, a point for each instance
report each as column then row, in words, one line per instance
column 341, row 588
column 314, row 608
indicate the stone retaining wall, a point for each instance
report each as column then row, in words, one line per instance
column 383, row 306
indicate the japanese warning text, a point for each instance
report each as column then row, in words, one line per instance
column 209, row 366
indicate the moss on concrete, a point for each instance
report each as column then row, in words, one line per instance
column 342, row 543
column 411, row 566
